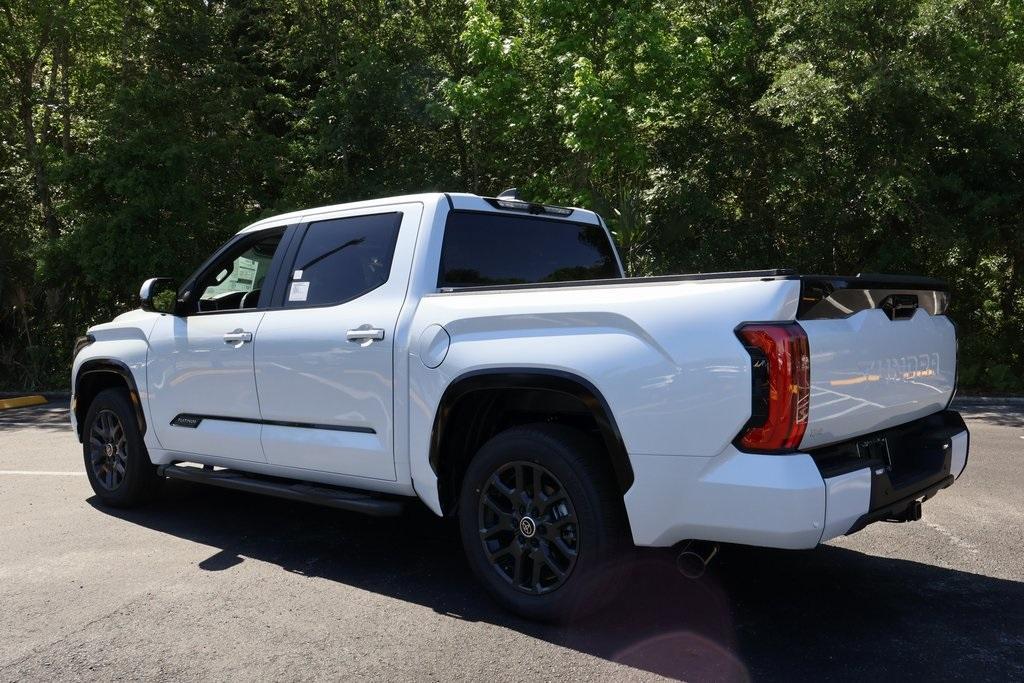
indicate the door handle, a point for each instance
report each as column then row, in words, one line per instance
column 365, row 334
column 238, row 337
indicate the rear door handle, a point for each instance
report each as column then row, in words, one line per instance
column 365, row 334
column 238, row 337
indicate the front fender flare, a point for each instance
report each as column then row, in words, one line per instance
column 109, row 366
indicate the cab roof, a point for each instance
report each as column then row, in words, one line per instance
column 456, row 201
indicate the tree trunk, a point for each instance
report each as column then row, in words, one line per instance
column 65, row 99
column 36, row 159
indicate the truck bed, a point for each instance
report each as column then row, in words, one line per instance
column 932, row 293
column 772, row 274
column 882, row 352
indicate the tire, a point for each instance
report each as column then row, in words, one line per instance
column 562, row 563
column 116, row 460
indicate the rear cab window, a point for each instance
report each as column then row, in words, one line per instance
column 488, row 249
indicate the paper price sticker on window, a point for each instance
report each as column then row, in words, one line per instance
column 299, row 291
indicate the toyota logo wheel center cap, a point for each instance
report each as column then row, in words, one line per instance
column 527, row 527
column 108, row 450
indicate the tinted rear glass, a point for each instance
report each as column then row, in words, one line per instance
column 500, row 249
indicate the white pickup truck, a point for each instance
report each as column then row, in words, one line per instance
column 488, row 357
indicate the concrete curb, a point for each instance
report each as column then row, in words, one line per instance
column 48, row 395
column 21, row 401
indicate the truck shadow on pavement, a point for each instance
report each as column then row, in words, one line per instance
column 831, row 612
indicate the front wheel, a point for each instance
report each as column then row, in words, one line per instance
column 116, row 460
column 542, row 522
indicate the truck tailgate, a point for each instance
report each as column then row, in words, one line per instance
column 882, row 353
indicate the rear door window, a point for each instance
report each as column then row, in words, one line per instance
column 500, row 249
column 342, row 259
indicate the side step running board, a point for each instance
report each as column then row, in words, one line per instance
column 335, row 497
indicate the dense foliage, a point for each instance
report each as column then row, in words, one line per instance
column 825, row 135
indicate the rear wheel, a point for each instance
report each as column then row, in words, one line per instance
column 542, row 522
column 116, row 460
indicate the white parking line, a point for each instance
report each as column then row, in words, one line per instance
column 52, row 474
column 839, row 393
column 828, row 403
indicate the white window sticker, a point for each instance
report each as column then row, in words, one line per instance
column 297, row 275
column 299, row 291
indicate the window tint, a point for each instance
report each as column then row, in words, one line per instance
column 236, row 281
column 499, row 249
column 342, row 259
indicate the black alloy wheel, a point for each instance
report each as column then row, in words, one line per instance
column 528, row 527
column 108, row 450
column 543, row 523
column 116, row 460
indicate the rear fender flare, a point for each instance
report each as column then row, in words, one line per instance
column 538, row 379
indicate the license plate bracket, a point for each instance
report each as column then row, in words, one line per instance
column 875, row 449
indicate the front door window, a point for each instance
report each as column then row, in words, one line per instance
column 236, row 282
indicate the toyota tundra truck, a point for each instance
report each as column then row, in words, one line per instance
column 488, row 357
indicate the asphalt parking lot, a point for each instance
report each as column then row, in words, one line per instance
column 213, row 584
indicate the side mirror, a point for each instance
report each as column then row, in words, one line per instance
column 159, row 295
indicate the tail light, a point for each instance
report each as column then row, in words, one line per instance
column 780, row 363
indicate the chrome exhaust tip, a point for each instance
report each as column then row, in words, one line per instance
column 694, row 557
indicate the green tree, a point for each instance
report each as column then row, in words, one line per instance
column 825, row 135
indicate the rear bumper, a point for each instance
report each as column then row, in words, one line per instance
column 799, row 500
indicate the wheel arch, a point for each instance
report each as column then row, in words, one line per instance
column 97, row 374
column 470, row 412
